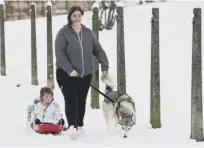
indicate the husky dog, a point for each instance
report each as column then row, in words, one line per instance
column 122, row 112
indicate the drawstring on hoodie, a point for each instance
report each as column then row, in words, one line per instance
column 79, row 38
column 82, row 52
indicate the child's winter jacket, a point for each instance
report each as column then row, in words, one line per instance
column 46, row 114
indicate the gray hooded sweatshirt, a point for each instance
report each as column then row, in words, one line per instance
column 74, row 51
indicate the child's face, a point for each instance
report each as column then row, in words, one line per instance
column 47, row 98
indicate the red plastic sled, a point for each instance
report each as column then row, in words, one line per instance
column 48, row 128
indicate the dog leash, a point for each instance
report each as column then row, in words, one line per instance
column 102, row 93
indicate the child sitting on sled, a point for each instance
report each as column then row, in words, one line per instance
column 44, row 111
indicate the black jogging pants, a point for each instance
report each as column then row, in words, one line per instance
column 74, row 90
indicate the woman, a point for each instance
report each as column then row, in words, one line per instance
column 74, row 46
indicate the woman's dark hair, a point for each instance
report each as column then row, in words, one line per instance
column 71, row 11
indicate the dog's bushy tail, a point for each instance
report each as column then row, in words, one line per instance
column 108, row 81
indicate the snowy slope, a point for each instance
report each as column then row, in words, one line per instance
column 175, row 52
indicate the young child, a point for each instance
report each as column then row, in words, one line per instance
column 44, row 110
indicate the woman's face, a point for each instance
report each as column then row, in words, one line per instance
column 76, row 18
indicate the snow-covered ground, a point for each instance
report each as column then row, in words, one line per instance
column 175, row 66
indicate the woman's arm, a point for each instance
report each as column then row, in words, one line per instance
column 100, row 54
column 61, row 58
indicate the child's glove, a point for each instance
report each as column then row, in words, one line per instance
column 61, row 122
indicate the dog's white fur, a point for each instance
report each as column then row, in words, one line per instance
column 108, row 81
column 109, row 115
column 109, row 109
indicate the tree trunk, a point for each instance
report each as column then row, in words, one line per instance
column 155, row 72
column 196, row 85
column 34, row 71
column 121, row 79
column 2, row 43
column 95, row 79
column 50, row 78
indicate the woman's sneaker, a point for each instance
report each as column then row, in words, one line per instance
column 81, row 131
column 72, row 132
